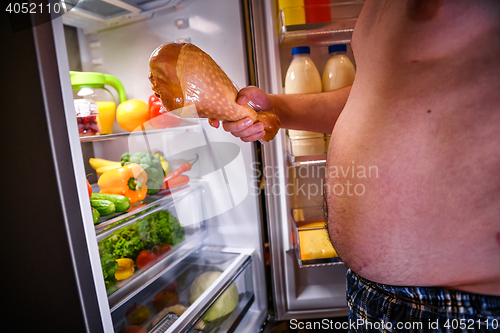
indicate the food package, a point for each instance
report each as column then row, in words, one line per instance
column 187, row 79
column 315, row 242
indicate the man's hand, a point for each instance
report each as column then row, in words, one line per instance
column 244, row 128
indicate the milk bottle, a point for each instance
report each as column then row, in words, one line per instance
column 303, row 77
column 339, row 72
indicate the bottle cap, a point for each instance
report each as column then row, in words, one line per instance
column 301, row 50
column 337, row 48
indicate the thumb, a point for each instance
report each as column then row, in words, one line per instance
column 257, row 98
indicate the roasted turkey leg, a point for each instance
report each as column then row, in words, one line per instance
column 181, row 75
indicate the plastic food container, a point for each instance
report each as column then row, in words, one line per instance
column 87, row 112
column 307, row 146
column 313, row 245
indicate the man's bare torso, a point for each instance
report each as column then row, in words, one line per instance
column 424, row 113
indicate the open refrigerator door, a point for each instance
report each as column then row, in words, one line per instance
column 303, row 287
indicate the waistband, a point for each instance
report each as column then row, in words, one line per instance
column 434, row 299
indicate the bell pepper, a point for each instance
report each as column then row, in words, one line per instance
column 125, row 268
column 129, row 180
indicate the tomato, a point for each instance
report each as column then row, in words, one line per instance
column 89, row 188
column 165, row 248
column 144, row 258
column 159, row 117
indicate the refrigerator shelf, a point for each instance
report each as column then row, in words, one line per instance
column 310, row 219
column 338, row 30
column 179, row 313
column 307, row 151
column 185, row 126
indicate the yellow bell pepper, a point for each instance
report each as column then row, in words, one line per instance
column 129, row 180
column 125, row 268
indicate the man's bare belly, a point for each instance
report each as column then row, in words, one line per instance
column 422, row 207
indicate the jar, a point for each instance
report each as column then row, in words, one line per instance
column 87, row 112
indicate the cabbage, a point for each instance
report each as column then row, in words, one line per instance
column 226, row 303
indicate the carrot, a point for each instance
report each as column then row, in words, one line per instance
column 178, row 181
column 176, row 173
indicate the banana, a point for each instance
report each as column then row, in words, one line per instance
column 105, row 168
column 97, row 163
column 164, row 164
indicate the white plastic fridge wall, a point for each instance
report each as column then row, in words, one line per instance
column 216, row 27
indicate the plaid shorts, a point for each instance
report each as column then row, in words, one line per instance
column 375, row 307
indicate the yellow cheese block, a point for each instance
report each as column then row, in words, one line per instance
column 313, row 225
column 315, row 244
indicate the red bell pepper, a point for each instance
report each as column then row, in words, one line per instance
column 159, row 117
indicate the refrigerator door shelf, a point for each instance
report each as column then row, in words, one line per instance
column 307, row 151
column 338, row 30
column 305, row 216
column 170, row 302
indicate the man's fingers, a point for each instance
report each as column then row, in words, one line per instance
column 214, row 123
column 237, row 126
column 254, row 137
column 244, row 129
column 254, row 129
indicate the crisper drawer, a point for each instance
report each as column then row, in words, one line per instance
column 136, row 250
column 207, row 291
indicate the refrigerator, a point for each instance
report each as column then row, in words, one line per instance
column 238, row 214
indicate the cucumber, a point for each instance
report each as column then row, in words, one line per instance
column 121, row 203
column 95, row 215
column 104, row 207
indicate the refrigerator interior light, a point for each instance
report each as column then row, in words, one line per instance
column 96, row 15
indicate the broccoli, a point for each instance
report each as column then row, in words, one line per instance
column 151, row 164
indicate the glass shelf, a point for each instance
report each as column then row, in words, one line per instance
column 338, row 30
column 150, row 204
column 311, row 220
column 185, row 125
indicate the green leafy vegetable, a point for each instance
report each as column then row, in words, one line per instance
column 154, row 230
column 109, row 266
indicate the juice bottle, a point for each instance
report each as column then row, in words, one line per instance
column 303, row 77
